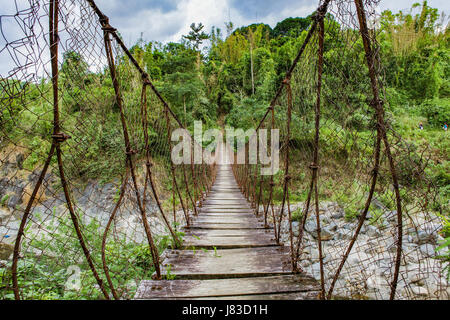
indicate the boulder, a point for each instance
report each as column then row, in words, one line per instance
column 338, row 214
column 6, row 250
column 5, row 215
column 373, row 231
column 391, row 216
column 416, row 278
column 419, row 291
column 428, row 250
column 342, row 234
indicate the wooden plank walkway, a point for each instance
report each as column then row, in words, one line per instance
column 228, row 254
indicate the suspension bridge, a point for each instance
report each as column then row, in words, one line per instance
column 228, row 253
column 246, row 235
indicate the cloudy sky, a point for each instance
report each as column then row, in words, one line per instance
column 163, row 20
column 168, row 20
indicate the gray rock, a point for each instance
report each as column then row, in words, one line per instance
column 315, row 270
column 378, row 204
column 412, row 255
column 332, row 226
column 6, row 250
column 342, row 234
column 310, row 225
column 363, row 230
column 392, row 247
column 424, row 237
column 350, row 226
column 338, row 214
column 19, row 160
column 4, row 215
column 325, row 233
column 14, row 201
column 369, row 215
column 373, row 231
column 428, row 250
column 391, row 216
column 419, row 291
column 377, row 282
column 416, row 278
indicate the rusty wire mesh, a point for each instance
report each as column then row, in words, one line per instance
column 342, row 226
column 89, row 195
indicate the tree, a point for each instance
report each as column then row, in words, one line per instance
column 196, row 36
column 292, row 27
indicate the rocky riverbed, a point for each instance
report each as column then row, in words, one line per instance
column 366, row 274
column 369, row 268
column 95, row 202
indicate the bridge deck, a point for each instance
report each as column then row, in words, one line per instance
column 228, row 254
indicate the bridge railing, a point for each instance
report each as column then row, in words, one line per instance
column 350, row 199
column 90, row 196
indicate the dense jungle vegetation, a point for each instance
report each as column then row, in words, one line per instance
column 238, row 73
column 230, row 78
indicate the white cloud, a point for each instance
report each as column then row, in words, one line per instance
column 168, row 20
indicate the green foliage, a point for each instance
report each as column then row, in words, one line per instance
column 169, row 275
column 436, row 111
column 4, row 199
column 444, row 247
column 291, row 27
column 43, row 276
column 196, row 36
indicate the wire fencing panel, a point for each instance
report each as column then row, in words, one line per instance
column 89, row 196
column 345, row 173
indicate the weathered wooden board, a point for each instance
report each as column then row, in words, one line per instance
column 229, row 263
column 229, row 233
column 209, row 240
column 228, row 193
column 224, row 219
column 226, row 243
column 225, row 226
column 225, row 209
column 225, row 213
column 220, row 203
column 223, row 187
column 167, row 289
column 228, row 254
column 237, row 215
column 312, row 295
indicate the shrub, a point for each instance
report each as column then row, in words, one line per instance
column 437, row 111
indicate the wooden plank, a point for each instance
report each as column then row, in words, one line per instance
column 224, row 219
column 229, row 196
column 157, row 289
column 246, row 263
column 313, row 295
column 229, row 233
column 205, row 215
column 234, row 213
column 226, row 243
column 229, row 193
column 222, row 202
column 249, row 240
column 225, row 209
column 229, row 263
column 225, row 226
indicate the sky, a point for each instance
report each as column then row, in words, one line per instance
column 168, row 20
column 161, row 20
